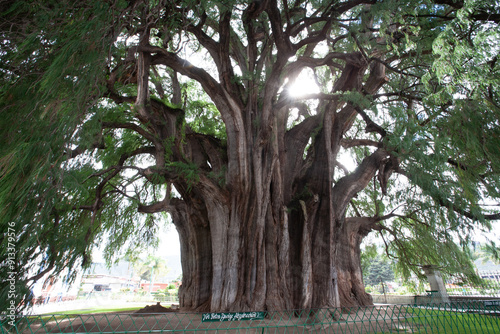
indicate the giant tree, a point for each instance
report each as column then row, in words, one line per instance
column 117, row 113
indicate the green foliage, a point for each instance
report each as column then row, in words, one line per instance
column 490, row 251
column 368, row 254
column 379, row 271
column 445, row 134
column 201, row 113
column 206, row 119
column 188, row 171
column 152, row 265
column 42, row 99
column 429, row 242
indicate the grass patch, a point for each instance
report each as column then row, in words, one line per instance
column 42, row 320
column 421, row 320
column 91, row 310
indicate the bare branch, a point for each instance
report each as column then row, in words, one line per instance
column 386, row 64
column 81, row 149
column 302, row 62
column 399, row 94
column 170, row 59
column 401, row 247
column 210, row 45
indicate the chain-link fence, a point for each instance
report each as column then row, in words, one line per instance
column 470, row 317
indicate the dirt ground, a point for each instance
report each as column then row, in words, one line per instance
column 158, row 319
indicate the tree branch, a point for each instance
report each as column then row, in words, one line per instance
column 130, row 126
column 184, row 67
column 371, row 126
column 160, row 206
column 347, row 143
column 285, row 48
column 81, row 149
column 208, row 43
column 348, row 186
column 302, row 62
column 143, row 64
column 316, row 36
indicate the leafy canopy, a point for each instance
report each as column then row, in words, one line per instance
column 77, row 158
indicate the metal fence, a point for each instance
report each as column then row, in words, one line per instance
column 470, row 317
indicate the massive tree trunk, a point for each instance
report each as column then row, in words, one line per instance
column 278, row 238
column 273, row 234
column 254, row 252
column 293, row 258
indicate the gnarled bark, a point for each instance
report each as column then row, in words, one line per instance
column 273, row 234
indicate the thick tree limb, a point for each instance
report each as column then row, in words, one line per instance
column 209, row 84
column 161, row 206
column 347, row 143
column 210, row 45
column 82, row 149
column 184, row 67
column 282, row 41
column 130, row 126
column 302, row 62
column 348, row 186
column 253, row 10
column 452, row 3
column 385, row 171
column 226, row 74
column 296, row 140
column 211, row 149
column 43, row 272
column 465, row 213
column 315, row 37
column 371, row 126
column 143, row 66
column 342, row 7
column 304, row 23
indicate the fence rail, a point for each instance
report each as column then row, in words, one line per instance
column 472, row 317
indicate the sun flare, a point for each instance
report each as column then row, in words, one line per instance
column 303, row 85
